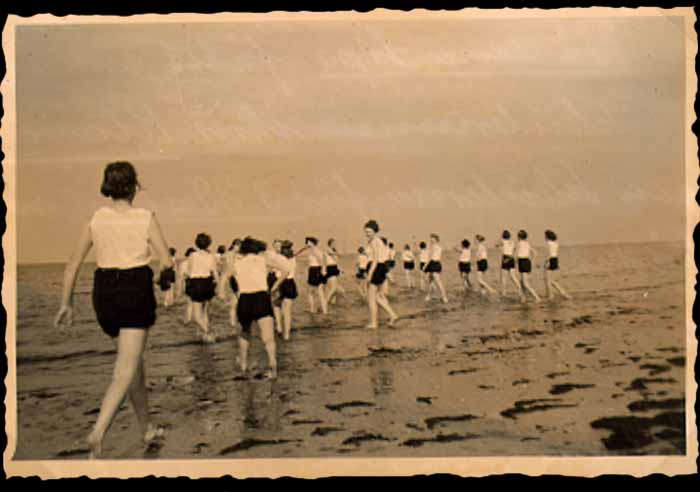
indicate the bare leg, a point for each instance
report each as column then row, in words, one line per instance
column 130, row 347
column 559, row 288
column 502, row 280
column 243, row 344
column 312, row 304
column 514, row 278
column 322, row 298
column 287, row 315
column 188, row 312
column 266, row 325
column 526, row 285
column 277, row 310
column 383, row 302
column 440, row 287
column 232, row 316
column 332, row 282
column 372, row 301
column 484, row 285
column 548, row 285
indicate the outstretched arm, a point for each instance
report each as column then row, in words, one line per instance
column 156, row 239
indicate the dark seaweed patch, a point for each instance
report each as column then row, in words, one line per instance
column 323, row 431
column 462, row 371
column 359, row 439
column 72, row 452
column 538, row 405
column 560, row 389
column 431, row 422
column 553, row 375
column 414, row 443
column 305, row 422
column 341, row 406
column 644, row 405
column 641, row 383
column 630, row 432
column 655, row 369
column 246, row 444
column 677, row 361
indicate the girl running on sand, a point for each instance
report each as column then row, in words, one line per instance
column 332, row 272
column 482, row 265
column 551, row 266
column 423, row 261
column 434, row 267
column 508, row 263
column 409, row 264
column 203, row 277
column 525, row 253
column 166, row 281
column 282, row 304
column 254, row 302
column 122, row 296
column 376, row 276
column 465, row 264
column 361, row 275
column 317, row 275
column 183, row 283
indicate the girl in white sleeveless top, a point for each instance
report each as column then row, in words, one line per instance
column 362, row 263
column 203, row 277
column 464, row 265
column 332, row 273
column 423, row 258
column 551, row 266
column 182, row 285
column 376, row 276
column 409, row 264
column 434, row 268
column 508, row 263
column 254, row 301
column 482, row 266
column 525, row 253
column 317, row 275
column 287, row 293
column 123, row 295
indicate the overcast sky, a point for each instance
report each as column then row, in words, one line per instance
column 294, row 128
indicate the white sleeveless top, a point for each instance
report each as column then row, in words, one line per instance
column 362, row 260
column 408, row 256
column 423, row 255
column 330, row 260
column 313, row 260
column 379, row 249
column 435, row 252
column 201, row 264
column 523, row 249
column 251, row 274
column 465, row 256
column 508, row 247
column 553, row 247
column 481, row 252
column 121, row 238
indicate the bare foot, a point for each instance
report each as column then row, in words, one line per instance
column 95, row 446
column 271, row 374
column 152, row 433
column 393, row 320
column 444, row 300
column 371, row 326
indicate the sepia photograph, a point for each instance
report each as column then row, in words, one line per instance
column 325, row 243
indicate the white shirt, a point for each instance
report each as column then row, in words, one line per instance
column 251, row 274
column 313, row 260
column 523, row 249
column 362, row 260
column 330, row 259
column 423, row 255
column 435, row 252
column 291, row 264
column 508, row 247
column 379, row 249
column 408, row 255
column 553, row 249
column 465, row 256
column 121, row 237
column 481, row 252
column 279, row 258
column 201, row 264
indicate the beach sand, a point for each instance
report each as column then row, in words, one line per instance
column 602, row 374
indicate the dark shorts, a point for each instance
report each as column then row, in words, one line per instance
column 316, row 278
column 166, row 278
column 408, row 265
column 332, row 271
column 288, row 289
column 379, row 275
column 507, row 262
column 433, row 267
column 482, row 265
column 524, row 265
column 271, row 279
column 361, row 273
column 421, row 266
column 201, row 289
column 233, row 283
column 465, row 267
column 553, row 264
column 253, row 307
column 390, row 264
column 124, row 299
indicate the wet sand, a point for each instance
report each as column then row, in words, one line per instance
column 600, row 375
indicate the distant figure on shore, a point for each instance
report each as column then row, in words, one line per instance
column 409, row 264
column 508, row 263
column 376, row 276
column 482, row 265
column 317, row 275
column 551, row 266
column 332, row 272
column 122, row 296
column 423, row 261
column 434, row 268
column 464, row 266
column 203, row 277
column 167, row 281
column 254, row 301
column 183, row 282
column 525, row 255
column 287, row 293
column 362, row 263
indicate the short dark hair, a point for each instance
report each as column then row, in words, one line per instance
column 189, row 251
column 465, row 243
column 437, row 238
column 407, row 246
column 311, row 239
column 330, row 241
column 172, row 251
column 506, row 235
column 422, row 245
column 391, row 245
column 522, row 234
column 550, row 234
column 120, row 181
column 221, row 249
column 372, row 224
column 252, row 246
column 360, row 250
column 202, row 241
column 287, row 249
column 234, row 243
column 480, row 238
column 385, row 240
